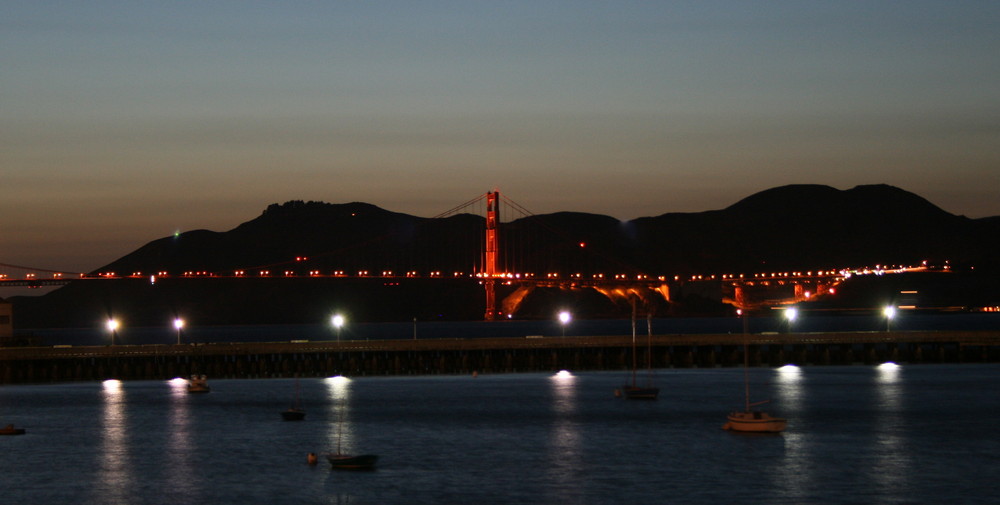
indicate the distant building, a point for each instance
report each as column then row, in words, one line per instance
column 6, row 321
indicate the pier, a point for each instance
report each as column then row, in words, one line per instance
column 20, row 365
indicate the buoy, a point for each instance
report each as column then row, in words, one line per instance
column 311, row 458
column 475, row 373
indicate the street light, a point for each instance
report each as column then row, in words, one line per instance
column 178, row 324
column 113, row 328
column 889, row 313
column 337, row 321
column 564, row 318
column 790, row 314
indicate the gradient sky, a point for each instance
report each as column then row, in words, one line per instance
column 125, row 121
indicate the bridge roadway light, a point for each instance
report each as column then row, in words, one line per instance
column 564, row 318
column 113, row 328
column 338, row 322
column 178, row 325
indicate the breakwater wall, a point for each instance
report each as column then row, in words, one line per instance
column 486, row 355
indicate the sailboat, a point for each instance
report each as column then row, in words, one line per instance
column 752, row 421
column 340, row 461
column 295, row 412
column 633, row 391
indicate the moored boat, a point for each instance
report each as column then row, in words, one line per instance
column 749, row 420
column 633, row 391
column 639, row 393
column 198, row 384
column 11, row 430
column 348, row 462
column 754, row 422
column 293, row 414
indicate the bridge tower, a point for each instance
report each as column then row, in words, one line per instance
column 490, row 261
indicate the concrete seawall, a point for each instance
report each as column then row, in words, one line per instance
column 21, row 365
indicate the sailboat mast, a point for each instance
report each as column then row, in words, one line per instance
column 746, row 363
column 649, row 346
column 634, row 360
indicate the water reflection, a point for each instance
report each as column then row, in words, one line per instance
column 114, row 475
column 179, row 445
column 796, row 474
column 339, row 392
column 789, row 389
column 891, row 465
column 564, row 438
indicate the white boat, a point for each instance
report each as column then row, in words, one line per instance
column 749, row 420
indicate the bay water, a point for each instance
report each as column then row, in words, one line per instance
column 889, row 434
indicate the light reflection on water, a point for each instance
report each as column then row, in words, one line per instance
column 852, row 437
column 891, row 466
column 179, row 444
column 114, row 474
column 340, row 435
column 795, row 474
column 564, row 439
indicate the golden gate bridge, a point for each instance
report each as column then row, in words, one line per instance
column 497, row 264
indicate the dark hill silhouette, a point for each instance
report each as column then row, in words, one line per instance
column 790, row 227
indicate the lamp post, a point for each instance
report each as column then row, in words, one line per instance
column 564, row 318
column 113, row 328
column 889, row 312
column 337, row 321
column 790, row 314
column 178, row 324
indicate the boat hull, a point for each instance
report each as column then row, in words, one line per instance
column 198, row 384
column 293, row 415
column 11, row 430
column 637, row 393
column 754, row 422
column 348, row 462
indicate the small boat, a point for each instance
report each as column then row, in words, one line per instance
column 295, row 412
column 749, row 420
column 348, row 462
column 340, row 461
column 633, row 391
column 198, row 384
column 11, row 430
